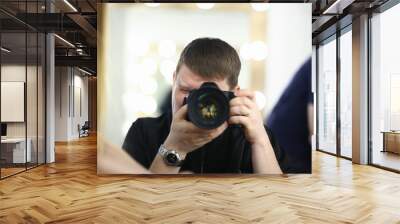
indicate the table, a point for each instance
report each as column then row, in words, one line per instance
column 391, row 141
column 13, row 150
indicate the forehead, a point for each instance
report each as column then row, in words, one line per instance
column 189, row 79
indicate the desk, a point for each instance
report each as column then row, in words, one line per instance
column 391, row 141
column 13, row 150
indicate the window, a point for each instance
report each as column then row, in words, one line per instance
column 22, row 78
column 346, row 94
column 327, row 97
column 385, row 89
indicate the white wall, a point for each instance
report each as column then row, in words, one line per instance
column 81, row 100
column 61, row 103
column 33, row 126
column 289, row 45
column 17, row 73
column 69, row 85
column 12, row 101
column 14, row 73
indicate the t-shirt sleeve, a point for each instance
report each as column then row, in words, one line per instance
column 246, row 166
column 134, row 144
column 279, row 152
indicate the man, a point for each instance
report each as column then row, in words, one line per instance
column 249, row 149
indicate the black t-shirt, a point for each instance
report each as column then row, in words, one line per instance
column 228, row 153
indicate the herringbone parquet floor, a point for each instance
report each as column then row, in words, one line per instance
column 69, row 191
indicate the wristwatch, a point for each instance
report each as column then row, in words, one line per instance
column 170, row 157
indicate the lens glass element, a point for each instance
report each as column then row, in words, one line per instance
column 208, row 107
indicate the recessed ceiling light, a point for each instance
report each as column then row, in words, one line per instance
column 152, row 4
column 64, row 40
column 5, row 50
column 84, row 71
column 70, row 5
column 205, row 5
column 260, row 7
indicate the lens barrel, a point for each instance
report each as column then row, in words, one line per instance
column 208, row 106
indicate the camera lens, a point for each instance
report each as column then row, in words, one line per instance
column 208, row 107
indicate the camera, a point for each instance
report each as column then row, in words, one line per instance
column 208, row 106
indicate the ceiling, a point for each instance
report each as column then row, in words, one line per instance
column 76, row 22
column 332, row 15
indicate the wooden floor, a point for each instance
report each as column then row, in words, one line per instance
column 10, row 171
column 69, row 191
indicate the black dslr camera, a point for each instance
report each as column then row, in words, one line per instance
column 208, row 106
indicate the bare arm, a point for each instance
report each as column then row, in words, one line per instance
column 244, row 111
column 263, row 158
column 114, row 160
column 184, row 137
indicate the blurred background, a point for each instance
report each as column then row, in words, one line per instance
column 140, row 46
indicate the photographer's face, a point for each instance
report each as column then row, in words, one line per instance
column 185, row 81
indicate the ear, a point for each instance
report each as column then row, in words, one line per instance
column 235, row 89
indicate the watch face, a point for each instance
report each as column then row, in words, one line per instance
column 172, row 158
